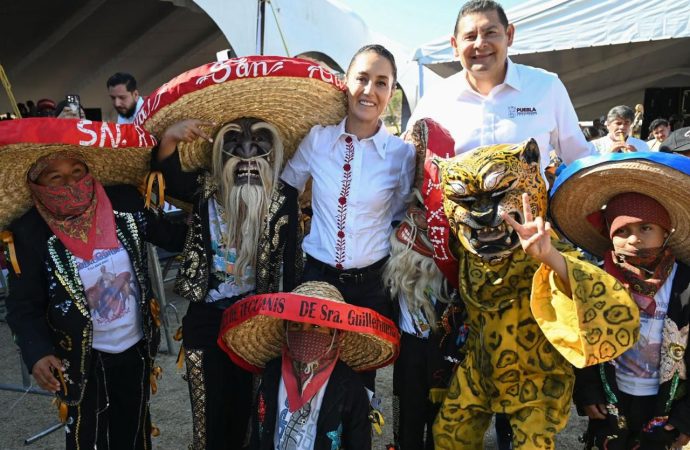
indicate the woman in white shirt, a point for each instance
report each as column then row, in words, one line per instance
column 361, row 177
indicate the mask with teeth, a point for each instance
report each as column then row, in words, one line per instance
column 479, row 185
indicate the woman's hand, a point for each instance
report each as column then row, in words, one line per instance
column 187, row 130
column 596, row 411
column 682, row 439
column 44, row 375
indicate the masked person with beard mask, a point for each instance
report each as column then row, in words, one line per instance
column 308, row 343
column 640, row 399
column 244, row 235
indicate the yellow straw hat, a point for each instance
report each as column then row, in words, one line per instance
column 252, row 332
column 587, row 185
column 115, row 154
column 292, row 94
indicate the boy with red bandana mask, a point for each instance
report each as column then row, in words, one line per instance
column 637, row 400
column 309, row 343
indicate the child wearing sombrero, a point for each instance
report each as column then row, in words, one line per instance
column 639, row 226
column 309, row 344
column 80, row 305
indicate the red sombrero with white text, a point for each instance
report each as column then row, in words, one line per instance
column 252, row 332
column 291, row 93
column 115, row 154
column 433, row 141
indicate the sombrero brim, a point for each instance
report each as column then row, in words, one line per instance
column 290, row 93
column 588, row 184
column 252, row 332
column 115, row 154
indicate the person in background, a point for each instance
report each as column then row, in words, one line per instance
column 123, row 92
column 618, row 122
column 677, row 142
column 660, row 129
column 592, row 133
column 63, row 110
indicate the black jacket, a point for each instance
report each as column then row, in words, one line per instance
column 47, row 308
column 589, row 382
column 344, row 411
column 279, row 243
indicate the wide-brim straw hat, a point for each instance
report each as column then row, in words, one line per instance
column 253, row 331
column 115, row 154
column 587, row 185
column 292, row 94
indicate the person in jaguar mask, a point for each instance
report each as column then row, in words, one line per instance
column 535, row 308
column 244, row 233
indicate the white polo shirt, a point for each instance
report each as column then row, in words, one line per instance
column 359, row 187
column 530, row 103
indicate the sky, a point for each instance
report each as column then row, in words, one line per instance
column 412, row 22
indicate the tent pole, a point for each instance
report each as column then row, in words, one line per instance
column 260, row 26
column 421, row 80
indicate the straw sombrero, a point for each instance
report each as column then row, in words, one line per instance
column 252, row 332
column 291, row 93
column 115, row 154
column 586, row 185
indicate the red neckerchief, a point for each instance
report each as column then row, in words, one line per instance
column 294, row 377
column 633, row 278
column 80, row 215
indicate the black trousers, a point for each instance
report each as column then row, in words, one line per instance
column 368, row 293
column 114, row 412
column 220, row 391
column 638, row 411
column 411, row 386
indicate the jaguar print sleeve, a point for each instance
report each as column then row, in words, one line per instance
column 599, row 322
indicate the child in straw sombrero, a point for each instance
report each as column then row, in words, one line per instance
column 309, row 343
column 639, row 400
column 81, row 306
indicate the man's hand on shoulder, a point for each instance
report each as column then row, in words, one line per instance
column 187, row 130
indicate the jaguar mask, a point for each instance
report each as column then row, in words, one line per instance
column 480, row 185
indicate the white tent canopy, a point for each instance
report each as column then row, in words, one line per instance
column 327, row 30
column 605, row 51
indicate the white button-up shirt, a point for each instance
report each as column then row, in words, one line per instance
column 530, row 103
column 604, row 144
column 359, row 187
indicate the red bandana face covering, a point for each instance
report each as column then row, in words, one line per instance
column 80, row 215
column 308, row 361
column 643, row 273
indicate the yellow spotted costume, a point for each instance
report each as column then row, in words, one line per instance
column 526, row 331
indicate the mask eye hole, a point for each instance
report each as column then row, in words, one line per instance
column 458, row 187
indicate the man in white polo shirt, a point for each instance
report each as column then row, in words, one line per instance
column 494, row 100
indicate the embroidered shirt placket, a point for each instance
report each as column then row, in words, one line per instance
column 345, row 188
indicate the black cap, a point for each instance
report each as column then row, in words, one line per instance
column 678, row 141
